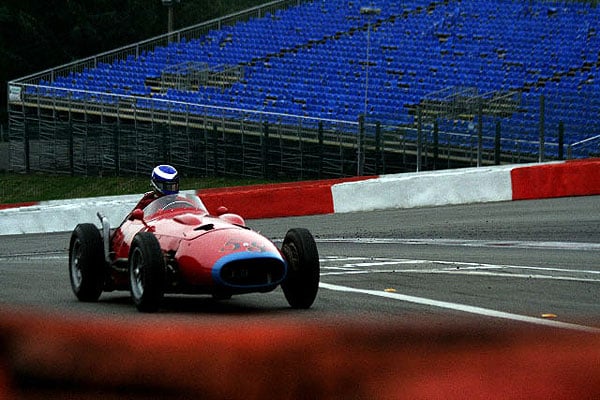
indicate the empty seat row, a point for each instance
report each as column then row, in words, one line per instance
column 312, row 59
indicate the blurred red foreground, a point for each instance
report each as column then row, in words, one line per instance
column 48, row 356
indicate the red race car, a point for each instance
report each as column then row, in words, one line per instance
column 175, row 245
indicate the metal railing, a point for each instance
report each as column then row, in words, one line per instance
column 135, row 50
column 349, row 148
column 82, row 132
column 591, row 146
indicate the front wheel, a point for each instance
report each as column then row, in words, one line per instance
column 146, row 272
column 302, row 282
column 86, row 262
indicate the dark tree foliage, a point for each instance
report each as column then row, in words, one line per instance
column 37, row 35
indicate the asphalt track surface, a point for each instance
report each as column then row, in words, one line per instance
column 525, row 263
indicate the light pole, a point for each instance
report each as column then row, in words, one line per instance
column 369, row 12
column 169, row 4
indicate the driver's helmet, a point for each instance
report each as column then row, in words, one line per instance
column 165, row 180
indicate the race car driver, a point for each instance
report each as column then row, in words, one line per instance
column 164, row 181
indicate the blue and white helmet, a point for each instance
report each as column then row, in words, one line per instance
column 165, row 179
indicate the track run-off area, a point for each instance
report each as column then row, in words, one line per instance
column 532, row 262
column 472, row 275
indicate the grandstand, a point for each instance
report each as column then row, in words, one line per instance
column 319, row 88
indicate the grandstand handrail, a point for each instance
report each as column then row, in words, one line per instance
column 581, row 143
column 136, row 48
column 81, row 105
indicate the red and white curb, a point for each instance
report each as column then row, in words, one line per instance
column 406, row 190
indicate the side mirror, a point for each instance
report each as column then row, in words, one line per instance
column 137, row 215
column 222, row 210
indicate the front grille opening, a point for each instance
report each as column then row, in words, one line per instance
column 253, row 272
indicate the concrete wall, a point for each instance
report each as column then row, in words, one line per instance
column 423, row 189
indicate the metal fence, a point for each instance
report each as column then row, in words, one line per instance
column 129, row 136
column 116, row 134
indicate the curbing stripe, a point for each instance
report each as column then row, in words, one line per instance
column 276, row 200
column 563, row 179
column 18, row 205
column 356, row 194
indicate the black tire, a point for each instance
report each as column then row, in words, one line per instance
column 86, row 262
column 146, row 272
column 221, row 296
column 302, row 282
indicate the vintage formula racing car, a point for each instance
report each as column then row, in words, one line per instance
column 175, row 245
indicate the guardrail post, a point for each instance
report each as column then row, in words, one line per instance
column 215, row 140
column 480, row 133
column 378, row 152
column 26, row 145
column 360, row 158
column 542, row 123
column 419, row 136
column 561, row 140
column 116, row 146
column 320, row 138
column 497, row 143
column 436, row 143
column 264, row 145
column 71, row 149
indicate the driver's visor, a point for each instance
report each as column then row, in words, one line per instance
column 168, row 186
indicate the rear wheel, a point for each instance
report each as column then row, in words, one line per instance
column 86, row 262
column 302, row 282
column 146, row 272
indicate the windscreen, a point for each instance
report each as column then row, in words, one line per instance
column 174, row 202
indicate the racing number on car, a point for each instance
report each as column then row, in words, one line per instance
column 233, row 245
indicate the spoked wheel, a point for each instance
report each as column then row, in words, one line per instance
column 86, row 262
column 146, row 272
column 302, row 282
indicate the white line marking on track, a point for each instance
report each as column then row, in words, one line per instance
column 579, row 246
column 461, row 307
column 29, row 257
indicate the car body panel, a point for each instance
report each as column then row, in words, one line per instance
column 204, row 253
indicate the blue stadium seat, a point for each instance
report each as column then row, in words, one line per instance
column 492, row 46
